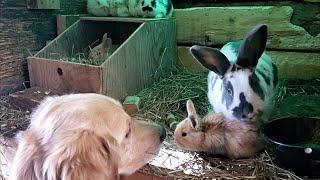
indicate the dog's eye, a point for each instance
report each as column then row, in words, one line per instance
column 142, row 3
column 183, row 134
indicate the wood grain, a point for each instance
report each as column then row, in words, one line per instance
column 65, row 21
column 143, row 58
column 30, row 98
column 219, row 25
column 43, row 4
column 71, row 78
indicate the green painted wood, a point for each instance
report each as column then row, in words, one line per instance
column 219, row 25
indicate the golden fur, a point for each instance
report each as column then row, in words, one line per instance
column 217, row 135
column 83, row 136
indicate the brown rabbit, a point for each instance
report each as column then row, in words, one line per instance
column 101, row 51
column 215, row 134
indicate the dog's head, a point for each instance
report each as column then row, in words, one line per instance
column 85, row 136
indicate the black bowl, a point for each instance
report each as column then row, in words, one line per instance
column 283, row 139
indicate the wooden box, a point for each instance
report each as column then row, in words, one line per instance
column 147, row 51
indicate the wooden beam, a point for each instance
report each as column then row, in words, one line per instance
column 219, row 25
column 30, row 98
column 313, row 1
column 65, row 21
column 292, row 65
column 297, row 65
column 64, row 76
column 149, row 53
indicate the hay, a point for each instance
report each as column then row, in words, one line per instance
column 289, row 88
column 11, row 120
column 82, row 56
column 205, row 166
column 164, row 101
column 260, row 167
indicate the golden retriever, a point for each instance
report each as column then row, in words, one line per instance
column 83, row 136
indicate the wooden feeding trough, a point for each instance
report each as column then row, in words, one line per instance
column 146, row 51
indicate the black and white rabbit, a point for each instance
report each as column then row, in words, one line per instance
column 131, row 8
column 242, row 82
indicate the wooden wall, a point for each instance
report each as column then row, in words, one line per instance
column 306, row 13
column 22, row 33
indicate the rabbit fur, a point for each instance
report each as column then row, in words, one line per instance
column 217, row 135
column 242, row 80
column 131, row 8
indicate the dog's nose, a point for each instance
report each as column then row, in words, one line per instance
column 163, row 133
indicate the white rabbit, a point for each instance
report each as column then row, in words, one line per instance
column 131, row 8
column 242, row 82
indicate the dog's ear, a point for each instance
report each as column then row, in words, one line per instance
column 27, row 160
column 83, row 155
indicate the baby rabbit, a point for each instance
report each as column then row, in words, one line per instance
column 215, row 134
column 242, row 82
column 101, row 51
column 131, row 8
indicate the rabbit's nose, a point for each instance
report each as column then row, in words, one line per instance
column 147, row 8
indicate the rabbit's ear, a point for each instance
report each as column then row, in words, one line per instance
column 252, row 46
column 190, row 108
column 106, row 41
column 193, row 120
column 211, row 59
column 192, row 114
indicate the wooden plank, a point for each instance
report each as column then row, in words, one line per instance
column 80, row 35
column 292, row 65
column 313, row 1
column 120, row 19
column 230, row 1
column 297, row 65
column 43, row 4
column 73, row 41
column 219, row 25
column 30, row 98
column 186, row 60
column 65, row 21
column 64, row 76
column 141, row 59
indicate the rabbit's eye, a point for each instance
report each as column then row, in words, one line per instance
column 142, row 3
column 183, row 134
column 229, row 91
column 153, row 3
